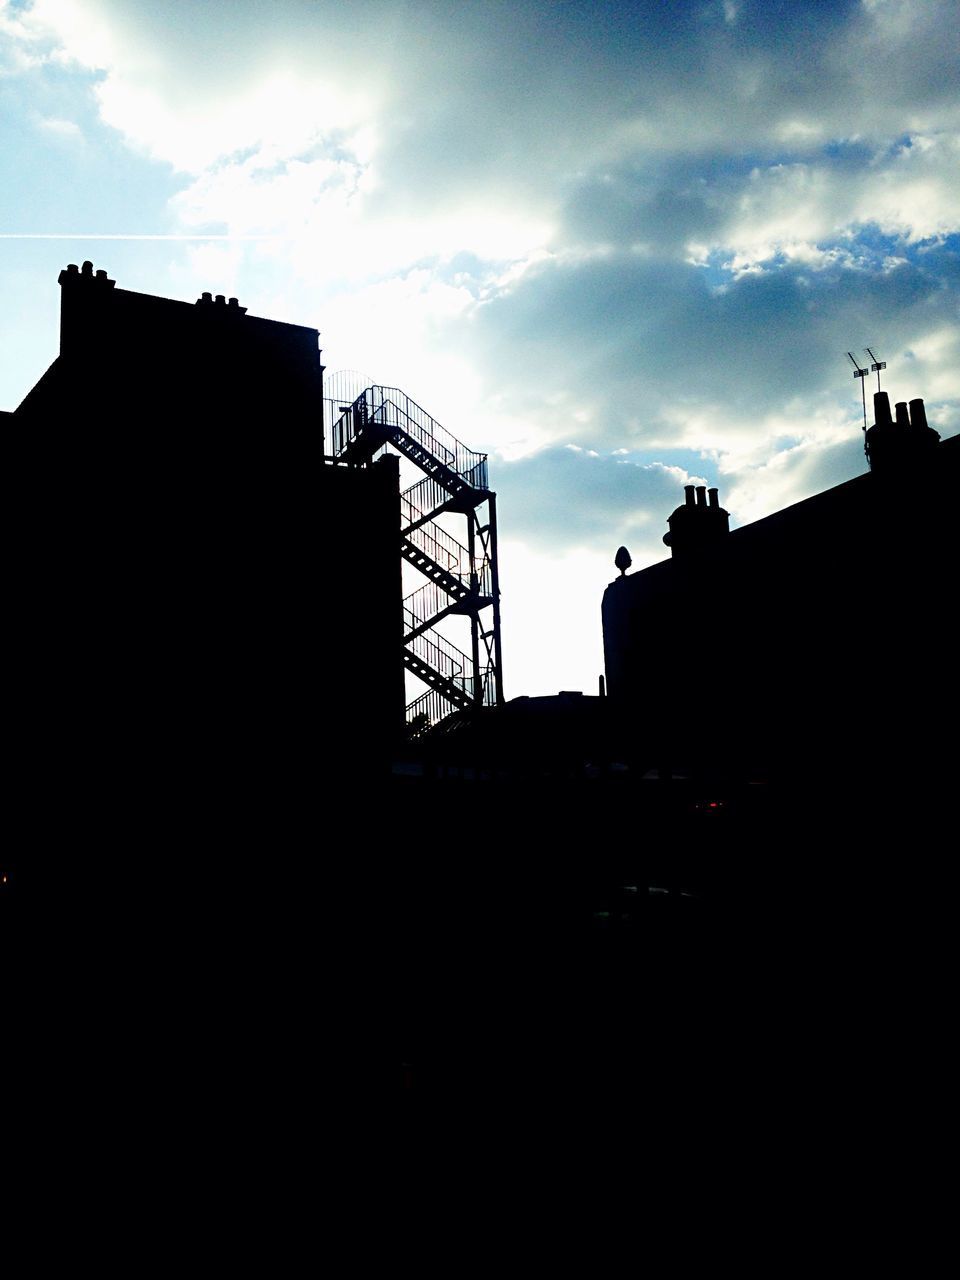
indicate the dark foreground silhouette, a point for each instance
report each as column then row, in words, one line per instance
column 233, row 888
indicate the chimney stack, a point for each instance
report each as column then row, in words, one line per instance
column 85, row 274
column 700, row 522
column 87, row 303
column 231, row 306
column 892, row 445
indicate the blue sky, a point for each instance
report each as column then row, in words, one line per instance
column 616, row 245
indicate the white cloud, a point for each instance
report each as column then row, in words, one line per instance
column 82, row 33
column 280, row 117
column 829, row 453
column 791, row 210
column 67, row 129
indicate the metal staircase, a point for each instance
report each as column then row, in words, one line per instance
column 462, row 579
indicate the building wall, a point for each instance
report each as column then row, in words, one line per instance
column 816, row 642
column 189, row 580
column 358, row 591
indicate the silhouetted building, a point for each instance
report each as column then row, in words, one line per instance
column 130, row 360
column 813, row 644
column 202, row 604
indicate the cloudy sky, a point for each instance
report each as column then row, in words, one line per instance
column 616, row 245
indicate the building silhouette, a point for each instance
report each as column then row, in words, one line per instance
column 812, row 647
column 181, row 591
column 209, row 643
column 208, row 585
column 208, row 647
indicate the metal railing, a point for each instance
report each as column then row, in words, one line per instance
column 391, row 407
column 441, row 547
column 437, row 652
column 430, row 709
column 432, row 599
column 445, row 445
column 426, row 604
column 364, row 426
column 419, row 426
column 422, row 501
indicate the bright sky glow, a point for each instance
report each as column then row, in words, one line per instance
column 648, row 231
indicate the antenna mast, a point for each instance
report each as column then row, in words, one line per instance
column 861, row 374
column 876, row 366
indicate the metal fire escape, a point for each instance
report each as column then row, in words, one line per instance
column 461, row 579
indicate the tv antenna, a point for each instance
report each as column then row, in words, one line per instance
column 876, row 366
column 861, row 374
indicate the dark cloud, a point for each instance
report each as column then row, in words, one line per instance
column 524, row 93
column 662, row 204
column 633, row 340
column 564, row 497
column 527, row 94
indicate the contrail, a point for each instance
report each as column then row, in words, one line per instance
column 32, row 235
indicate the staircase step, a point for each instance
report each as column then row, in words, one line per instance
column 449, row 582
column 448, row 688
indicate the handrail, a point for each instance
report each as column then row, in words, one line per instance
column 463, row 459
column 426, row 604
column 436, row 650
column 422, row 501
column 426, row 712
column 459, row 579
column 440, row 546
column 386, row 406
column 388, row 413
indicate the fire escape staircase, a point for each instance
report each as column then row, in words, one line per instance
column 459, row 579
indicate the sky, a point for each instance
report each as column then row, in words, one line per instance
column 619, row 247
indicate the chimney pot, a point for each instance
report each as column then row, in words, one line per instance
column 233, row 302
column 688, row 494
column 701, row 495
column 903, row 418
column 714, row 496
column 221, row 300
column 918, row 414
column 87, row 269
column 881, row 409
